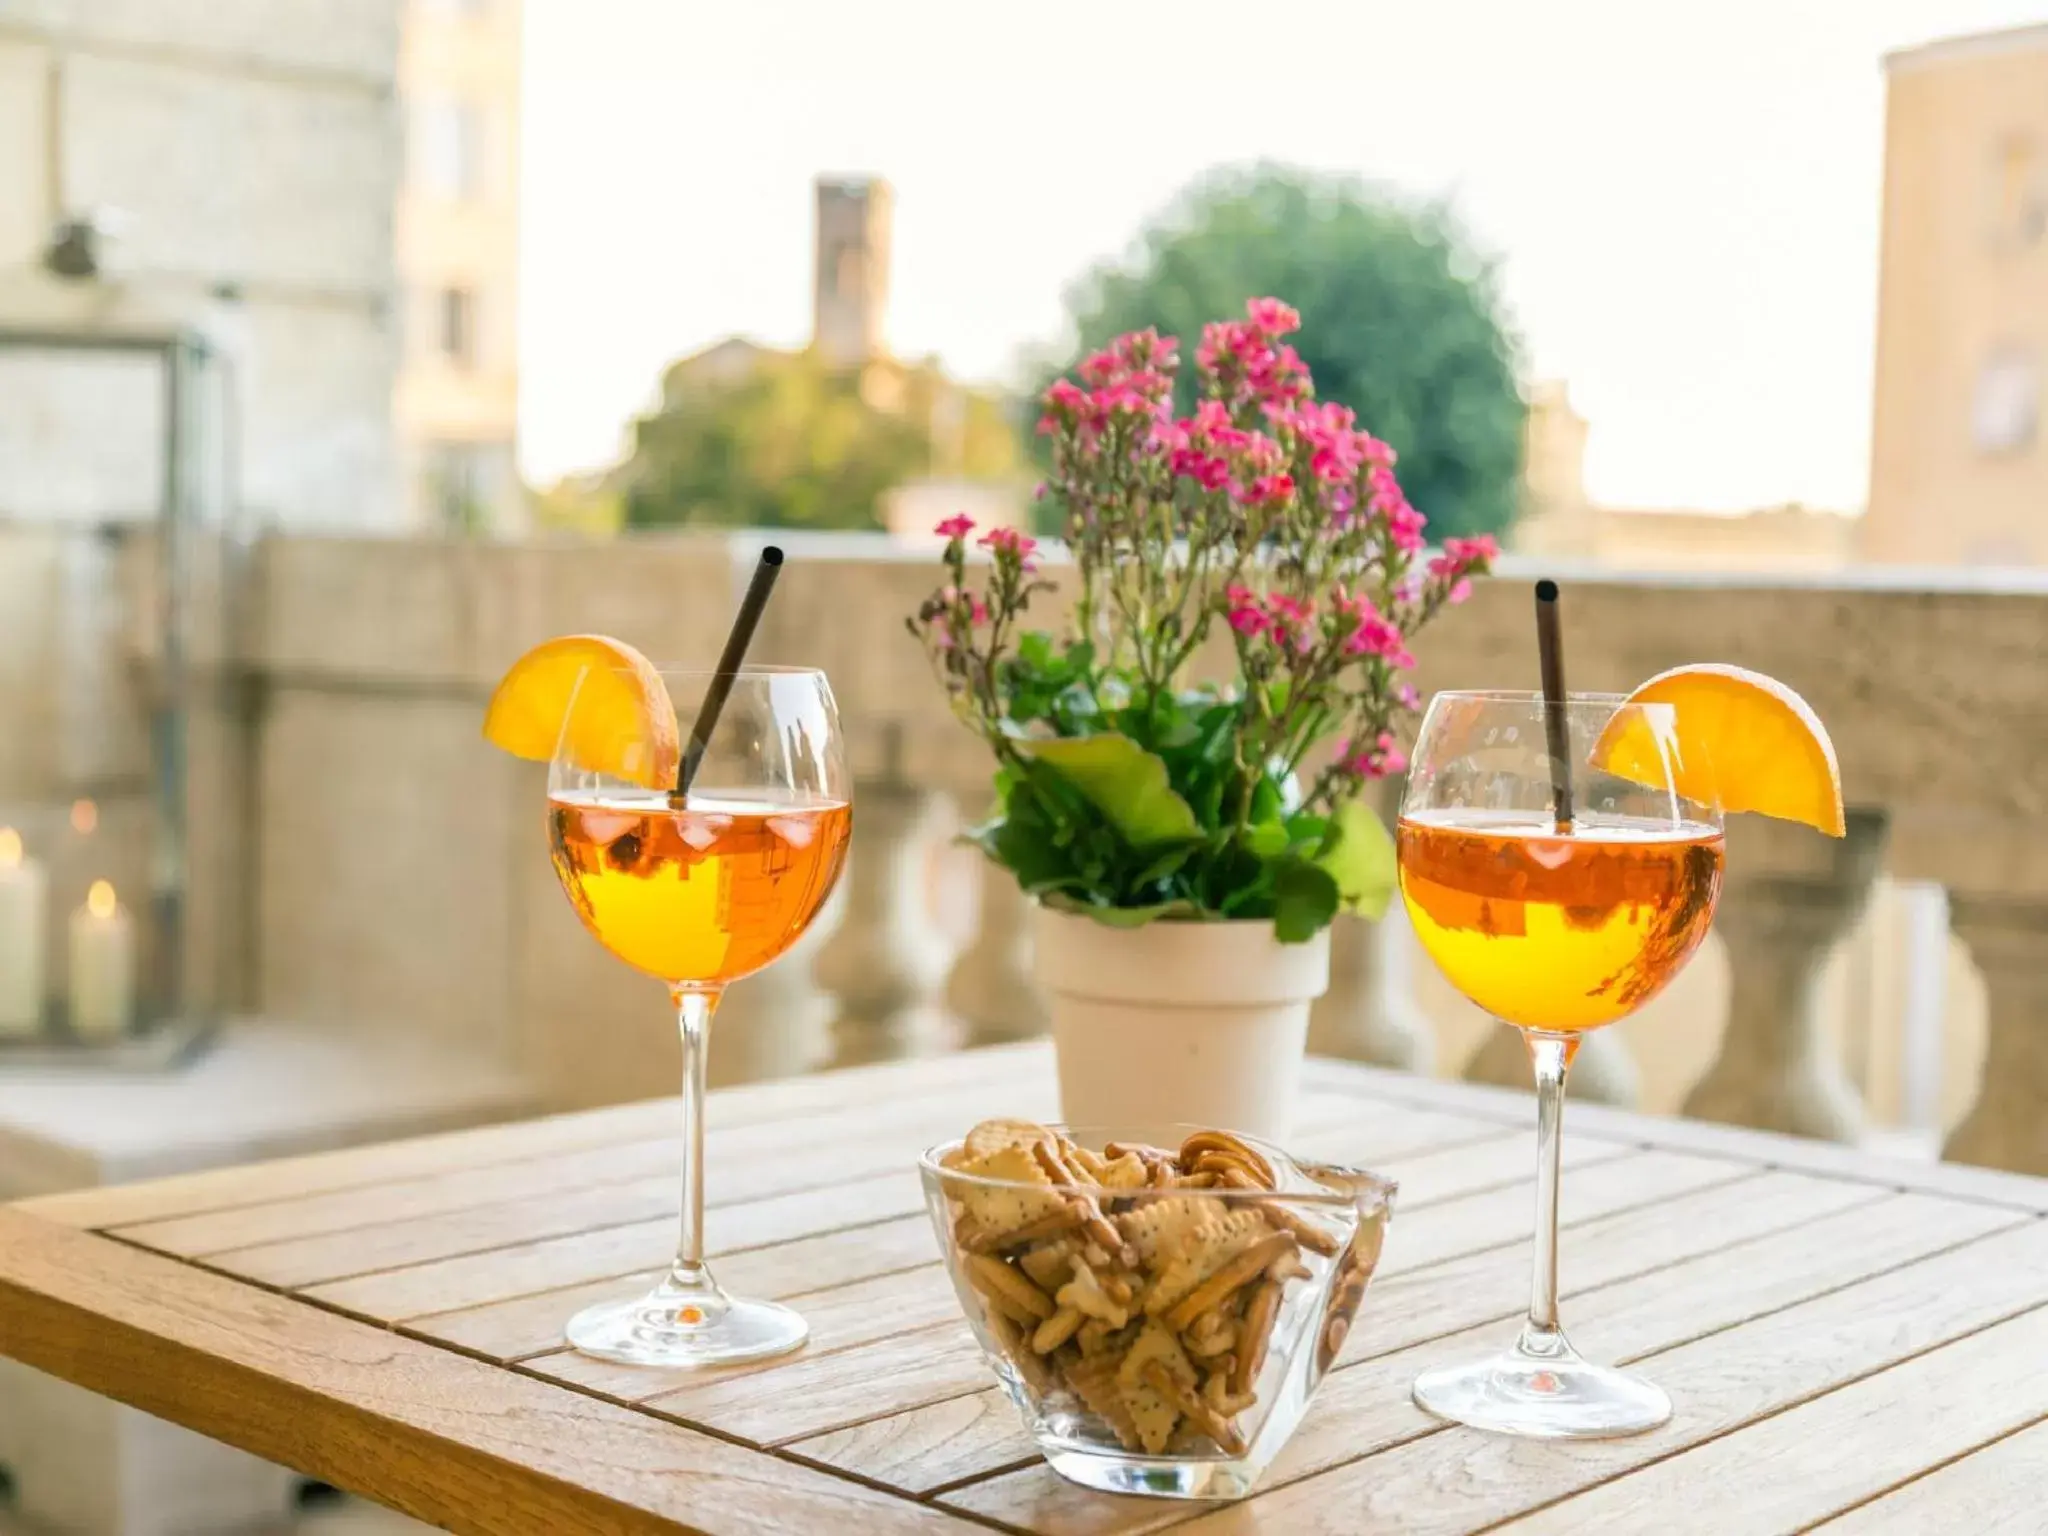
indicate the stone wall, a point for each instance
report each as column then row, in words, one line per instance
column 251, row 145
column 400, row 873
column 371, row 861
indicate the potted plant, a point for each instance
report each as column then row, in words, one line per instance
column 1180, row 776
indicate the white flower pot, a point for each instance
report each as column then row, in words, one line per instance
column 1179, row 1022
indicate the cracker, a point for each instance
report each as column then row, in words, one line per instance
column 998, row 1211
column 1204, row 1248
column 1154, row 1411
column 1085, row 1294
column 1047, row 1264
column 1000, row 1135
column 1158, row 1228
column 1093, row 1379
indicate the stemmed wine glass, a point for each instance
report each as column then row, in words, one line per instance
column 1557, row 911
column 699, row 889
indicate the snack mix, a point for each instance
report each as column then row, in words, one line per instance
column 1149, row 1283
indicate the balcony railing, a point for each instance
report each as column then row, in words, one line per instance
column 380, row 864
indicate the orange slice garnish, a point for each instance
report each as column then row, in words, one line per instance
column 1744, row 742
column 623, row 723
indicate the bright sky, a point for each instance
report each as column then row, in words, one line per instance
column 1683, row 197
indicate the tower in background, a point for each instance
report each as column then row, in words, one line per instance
column 852, row 281
column 1959, row 456
column 457, row 226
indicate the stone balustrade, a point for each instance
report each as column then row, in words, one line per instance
column 391, row 867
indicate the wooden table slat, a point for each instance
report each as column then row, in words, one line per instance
column 1970, row 1496
column 1621, row 1321
column 1835, row 1449
column 498, row 1274
column 1848, row 1340
column 743, row 1163
column 1450, row 1481
column 532, row 1325
column 524, row 1141
column 435, row 1435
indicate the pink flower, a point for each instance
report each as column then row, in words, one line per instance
column 1246, row 619
column 1469, row 552
column 1407, row 697
column 1404, row 528
column 958, row 526
column 1009, row 541
column 1269, row 490
column 1210, row 471
column 1064, row 402
column 1261, row 454
column 1459, row 556
column 1376, row 759
column 1373, row 634
column 1272, row 316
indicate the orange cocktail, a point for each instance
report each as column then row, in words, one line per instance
column 1551, row 932
column 712, row 891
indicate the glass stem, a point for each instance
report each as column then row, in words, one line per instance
column 1551, row 1056
column 694, row 1008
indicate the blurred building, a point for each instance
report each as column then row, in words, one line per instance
column 223, row 178
column 1959, row 468
column 1561, row 521
column 457, row 402
column 852, row 279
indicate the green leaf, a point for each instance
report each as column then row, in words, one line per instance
column 1166, row 864
column 1026, row 851
column 1266, row 804
column 1267, row 839
column 1305, row 898
column 1123, row 917
column 1123, row 781
column 1359, row 856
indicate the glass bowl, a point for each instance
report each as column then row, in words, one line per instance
column 1159, row 1302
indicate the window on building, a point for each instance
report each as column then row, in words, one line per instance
column 448, row 148
column 455, row 325
column 461, row 483
column 2008, row 406
column 2019, row 192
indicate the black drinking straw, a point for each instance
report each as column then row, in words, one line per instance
column 1556, row 724
column 729, row 660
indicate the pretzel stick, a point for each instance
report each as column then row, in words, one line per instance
column 1254, row 1336
column 1244, row 1267
column 995, row 1279
column 1051, row 1224
column 1305, row 1232
column 1057, row 1329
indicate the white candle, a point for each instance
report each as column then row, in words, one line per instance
column 23, row 890
column 102, row 964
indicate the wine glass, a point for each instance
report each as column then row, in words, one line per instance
column 699, row 889
column 1559, row 898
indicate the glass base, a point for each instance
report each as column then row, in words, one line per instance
column 684, row 1325
column 1541, row 1388
column 1159, row 1478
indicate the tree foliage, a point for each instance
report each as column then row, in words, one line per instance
column 1400, row 317
column 748, row 437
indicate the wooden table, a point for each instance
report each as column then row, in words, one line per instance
column 1850, row 1344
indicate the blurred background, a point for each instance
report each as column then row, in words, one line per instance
column 348, row 347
